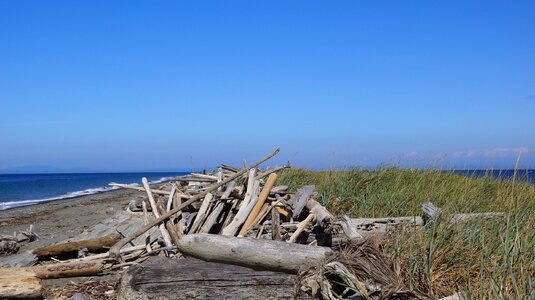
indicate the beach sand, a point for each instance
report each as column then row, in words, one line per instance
column 58, row 220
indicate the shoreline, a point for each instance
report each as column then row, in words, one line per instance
column 58, row 220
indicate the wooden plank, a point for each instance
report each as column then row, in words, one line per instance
column 163, row 278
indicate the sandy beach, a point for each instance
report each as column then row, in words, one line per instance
column 58, row 220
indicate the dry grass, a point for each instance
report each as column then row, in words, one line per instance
column 479, row 259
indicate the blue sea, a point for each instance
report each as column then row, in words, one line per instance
column 527, row 175
column 28, row 189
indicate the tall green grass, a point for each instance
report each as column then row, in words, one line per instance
column 480, row 259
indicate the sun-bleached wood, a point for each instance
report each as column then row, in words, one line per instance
column 349, row 228
column 300, row 227
column 115, row 250
column 104, row 242
column 258, row 254
column 258, row 206
column 165, row 234
column 201, row 215
column 299, row 200
column 246, row 205
column 212, row 218
column 142, row 189
column 19, row 284
column 322, row 214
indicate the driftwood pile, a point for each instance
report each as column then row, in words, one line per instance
column 231, row 233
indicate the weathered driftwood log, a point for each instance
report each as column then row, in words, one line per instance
column 258, row 206
column 163, row 278
column 70, row 247
column 114, row 251
column 19, row 284
column 299, row 200
column 63, row 270
column 257, row 254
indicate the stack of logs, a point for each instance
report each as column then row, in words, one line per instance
column 235, row 217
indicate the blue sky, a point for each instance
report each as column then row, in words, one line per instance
column 124, row 85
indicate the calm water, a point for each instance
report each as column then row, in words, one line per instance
column 505, row 174
column 27, row 189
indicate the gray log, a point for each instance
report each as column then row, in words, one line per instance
column 164, row 278
column 299, row 200
column 257, row 254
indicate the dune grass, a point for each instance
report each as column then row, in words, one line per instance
column 482, row 259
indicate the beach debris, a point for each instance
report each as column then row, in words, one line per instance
column 234, row 220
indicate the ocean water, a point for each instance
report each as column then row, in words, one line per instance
column 527, row 175
column 28, row 189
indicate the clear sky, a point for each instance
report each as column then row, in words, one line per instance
column 124, row 85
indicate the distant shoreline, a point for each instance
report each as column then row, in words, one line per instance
column 67, row 186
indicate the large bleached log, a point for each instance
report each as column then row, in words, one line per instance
column 70, row 247
column 257, row 254
column 19, row 284
column 114, row 251
column 163, row 278
column 299, row 200
column 258, row 206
